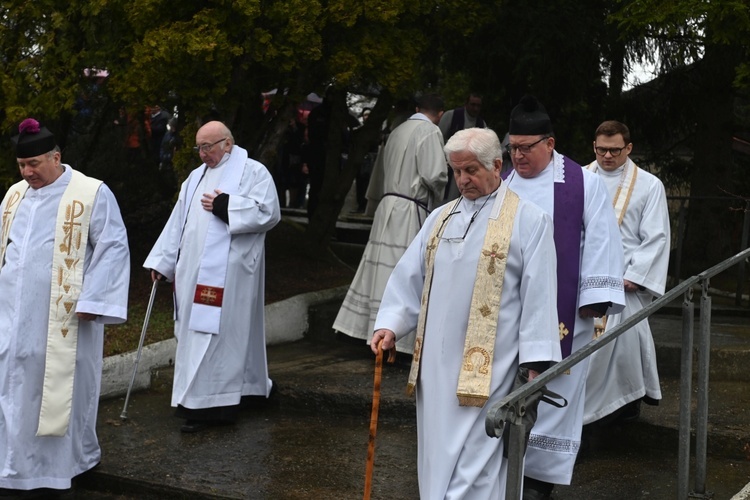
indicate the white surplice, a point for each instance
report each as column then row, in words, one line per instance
column 216, row 370
column 456, row 458
column 27, row 461
column 556, row 437
column 414, row 166
column 625, row 369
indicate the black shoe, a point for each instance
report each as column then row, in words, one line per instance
column 534, row 489
column 631, row 412
column 193, row 426
column 624, row 415
column 259, row 402
column 529, row 494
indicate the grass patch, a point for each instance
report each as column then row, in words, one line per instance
column 123, row 338
column 289, row 272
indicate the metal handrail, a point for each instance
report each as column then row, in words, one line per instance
column 510, row 409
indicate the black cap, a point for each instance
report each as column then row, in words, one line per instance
column 529, row 118
column 32, row 139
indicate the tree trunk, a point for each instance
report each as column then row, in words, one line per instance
column 616, row 78
column 267, row 150
column 709, row 226
column 340, row 175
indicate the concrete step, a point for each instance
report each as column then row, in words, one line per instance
column 658, row 427
column 310, row 441
column 729, row 342
column 349, row 229
column 728, row 429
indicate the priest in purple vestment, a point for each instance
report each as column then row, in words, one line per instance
column 589, row 280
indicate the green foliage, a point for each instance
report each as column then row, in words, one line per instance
column 197, row 50
column 215, row 57
column 680, row 30
column 194, row 68
column 708, row 42
column 531, row 47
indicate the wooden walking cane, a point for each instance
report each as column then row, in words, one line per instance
column 374, row 415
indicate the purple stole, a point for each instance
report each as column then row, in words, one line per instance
column 568, row 222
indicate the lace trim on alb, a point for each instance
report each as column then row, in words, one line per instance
column 608, row 282
column 558, row 166
column 554, row 444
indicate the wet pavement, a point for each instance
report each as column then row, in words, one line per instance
column 310, row 440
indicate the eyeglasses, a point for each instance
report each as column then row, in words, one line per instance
column 205, row 148
column 471, row 221
column 525, row 148
column 612, row 151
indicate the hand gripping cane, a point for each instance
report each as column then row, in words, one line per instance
column 374, row 415
column 124, row 414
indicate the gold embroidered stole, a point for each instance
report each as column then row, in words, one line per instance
column 479, row 347
column 10, row 204
column 620, row 204
column 429, row 258
column 71, row 238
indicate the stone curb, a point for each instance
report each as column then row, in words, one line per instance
column 744, row 494
column 286, row 321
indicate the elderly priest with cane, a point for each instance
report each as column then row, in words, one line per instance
column 478, row 283
column 65, row 273
column 213, row 249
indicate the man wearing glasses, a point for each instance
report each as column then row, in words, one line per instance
column 478, row 284
column 589, row 280
column 213, row 249
column 624, row 372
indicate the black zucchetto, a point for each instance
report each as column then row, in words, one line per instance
column 529, row 118
column 33, row 139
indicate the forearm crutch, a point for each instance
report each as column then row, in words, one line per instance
column 124, row 414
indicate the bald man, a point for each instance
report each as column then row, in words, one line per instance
column 213, row 249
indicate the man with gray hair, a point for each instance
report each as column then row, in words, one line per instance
column 478, row 284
